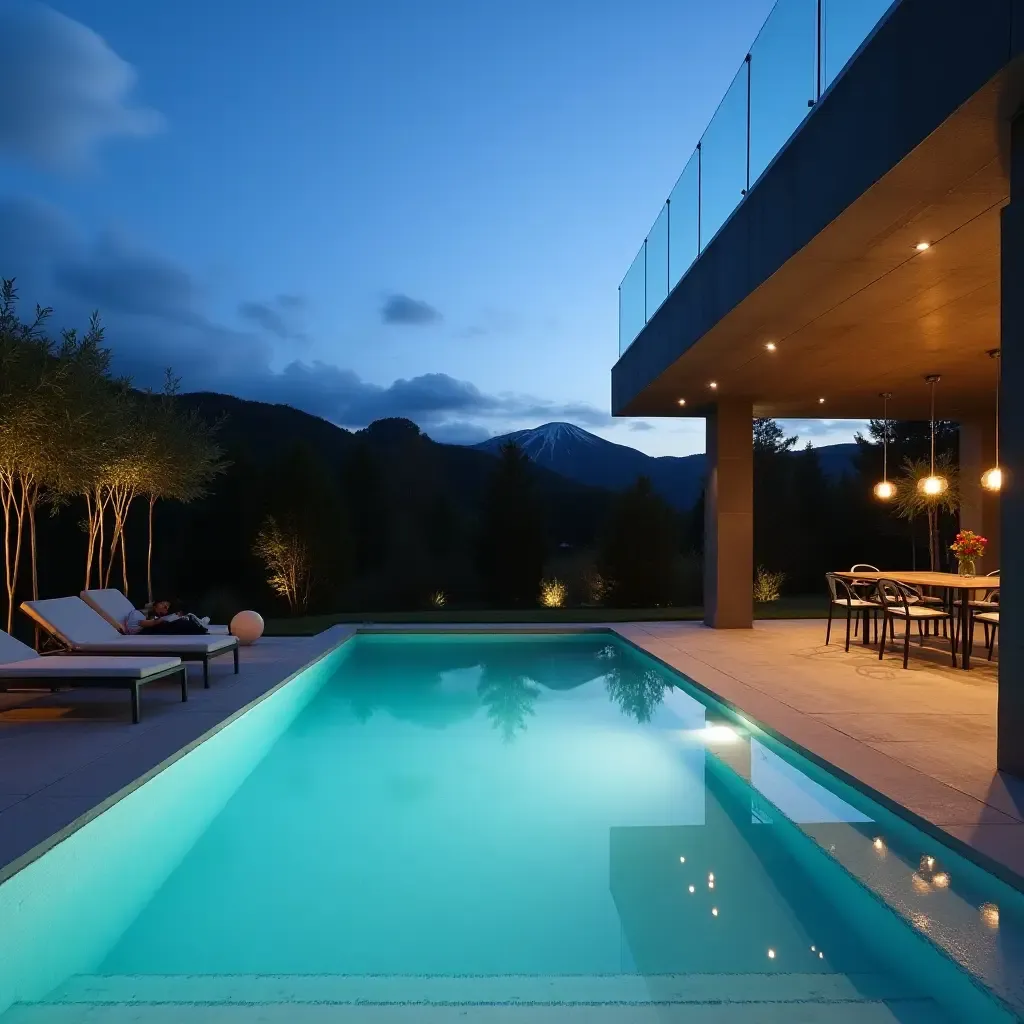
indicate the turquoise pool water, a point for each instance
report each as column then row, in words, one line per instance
column 538, row 826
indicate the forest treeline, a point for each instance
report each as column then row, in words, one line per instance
column 225, row 503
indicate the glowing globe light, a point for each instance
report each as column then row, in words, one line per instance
column 932, row 486
column 247, row 626
column 884, row 490
column 992, row 480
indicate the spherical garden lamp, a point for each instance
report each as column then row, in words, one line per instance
column 247, row 627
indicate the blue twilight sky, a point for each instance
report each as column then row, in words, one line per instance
column 359, row 207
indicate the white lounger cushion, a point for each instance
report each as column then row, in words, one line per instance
column 84, row 629
column 116, row 608
column 13, row 650
column 69, row 668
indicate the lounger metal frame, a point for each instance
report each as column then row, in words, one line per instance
column 53, row 683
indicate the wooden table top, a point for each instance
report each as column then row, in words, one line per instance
column 952, row 580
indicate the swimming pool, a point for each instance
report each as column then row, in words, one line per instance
column 422, row 827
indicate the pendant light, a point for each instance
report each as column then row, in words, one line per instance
column 886, row 489
column 992, row 480
column 932, row 486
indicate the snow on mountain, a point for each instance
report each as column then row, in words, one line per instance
column 575, row 453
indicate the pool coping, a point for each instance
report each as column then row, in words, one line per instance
column 962, row 847
column 40, row 849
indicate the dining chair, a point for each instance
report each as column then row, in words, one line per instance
column 863, row 589
column 842, row 595
column 990, row 620
column 897, row 603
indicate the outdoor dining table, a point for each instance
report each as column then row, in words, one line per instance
column 948, row 581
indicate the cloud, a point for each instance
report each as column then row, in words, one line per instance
column 65, row 89
column 275, row 316
column 153, row 313
column 640, row 425
column 400, row 309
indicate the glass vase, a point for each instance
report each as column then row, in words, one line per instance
column 966, row 566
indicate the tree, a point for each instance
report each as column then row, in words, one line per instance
column 183, row 461
column 302, row 496
column 640, row 548
column 50, row 399
column 770, row 438
column 910, row 502
column 511, row 548
column 285, row 555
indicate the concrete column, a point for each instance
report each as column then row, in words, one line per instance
column 979, row 509
column 729, row 517
column 1010, row 755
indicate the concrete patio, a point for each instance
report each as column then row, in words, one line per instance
column 924, row 737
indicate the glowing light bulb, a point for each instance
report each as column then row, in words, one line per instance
column 929, row 862
column 813, row 950
column 682, row 401
column 713, row 384
column 821, row 401
column 714, row 911
column 992, row 480
column 711, row 878
column 692, row 889
column 771, row 346
column 884, row 490
column 711, row 885
column 932, row 486
column 878, row 843
column 682, row 860
column 771, row 954
column 821, row 956
column 922, row 246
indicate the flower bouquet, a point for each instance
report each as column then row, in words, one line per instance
column 968, row 547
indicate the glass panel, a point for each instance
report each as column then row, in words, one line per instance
column 782, row 79
column 683, row 221
column 657, row 262
column 724, row 159
column 631, row 302
column 846, row 24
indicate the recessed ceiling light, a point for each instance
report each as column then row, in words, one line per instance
column 682, row 401
column 771, row 346
column 713, row 384
column 921, row 246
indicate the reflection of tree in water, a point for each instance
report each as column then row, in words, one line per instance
column 509, row 700
column 637, row 691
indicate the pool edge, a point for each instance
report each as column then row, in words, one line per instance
column 31, row 855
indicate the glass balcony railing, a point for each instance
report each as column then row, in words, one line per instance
column 801, row 49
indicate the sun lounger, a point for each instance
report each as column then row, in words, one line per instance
column 21, row 666
column 115, row 608
column 83, row 631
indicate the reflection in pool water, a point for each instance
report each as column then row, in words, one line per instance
column 557, row 820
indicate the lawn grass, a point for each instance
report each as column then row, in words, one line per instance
column 809, row 607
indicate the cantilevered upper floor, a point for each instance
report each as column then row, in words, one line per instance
column 836, row 233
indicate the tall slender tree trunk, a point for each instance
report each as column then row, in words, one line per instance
column 933, row 539
column 149, row 552
column 13, row 498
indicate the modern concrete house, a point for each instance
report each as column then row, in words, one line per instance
column 851, row 222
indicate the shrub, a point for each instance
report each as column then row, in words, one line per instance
column 552, row 593
column 768, row 585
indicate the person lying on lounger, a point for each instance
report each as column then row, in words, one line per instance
column 160, row 619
